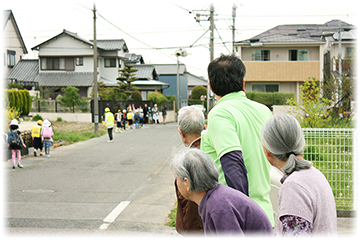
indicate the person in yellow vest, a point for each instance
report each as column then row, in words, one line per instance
column 36, row 137
column 129, row 117
column 109, row 123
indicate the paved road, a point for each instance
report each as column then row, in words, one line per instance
column 100, row 188
column 97, row 187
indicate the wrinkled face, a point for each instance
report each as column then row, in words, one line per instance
column 183, row 187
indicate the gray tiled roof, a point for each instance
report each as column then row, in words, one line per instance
column 24, row 70
column 59, row 79
column 195, row 80
column 145, row 71
column 299, row 32
column 169, row 69
column 101, row 44
column 110, row 44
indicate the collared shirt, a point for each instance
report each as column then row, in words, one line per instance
column 234, row 125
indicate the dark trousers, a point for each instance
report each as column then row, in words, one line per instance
column 110, row 133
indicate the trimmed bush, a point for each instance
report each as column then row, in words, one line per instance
column 270, row 98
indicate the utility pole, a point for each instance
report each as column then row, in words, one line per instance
column 96, row 102
column 340, row 75
column 233, row 27
column 211, row 51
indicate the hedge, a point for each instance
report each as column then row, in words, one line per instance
column 19, row 99
column 270, row 98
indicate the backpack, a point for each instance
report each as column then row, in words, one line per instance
column 47, row 133
column 36, row 131
column 137, row 116
column 13, row 138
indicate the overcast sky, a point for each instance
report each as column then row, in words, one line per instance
column 145, row 25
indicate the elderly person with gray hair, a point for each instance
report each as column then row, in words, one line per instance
column 191, row 123
column 223, row 210
column 306, row 201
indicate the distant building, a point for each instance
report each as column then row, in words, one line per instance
column 13, row 48
column 67, row 60
column 282, row 58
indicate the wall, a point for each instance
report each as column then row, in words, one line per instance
column 282, row 53
column 86, row 117
column 69, row 117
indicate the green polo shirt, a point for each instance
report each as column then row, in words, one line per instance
column 234, row 124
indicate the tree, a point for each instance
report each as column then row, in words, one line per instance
column 197, row 91
column 127, row 77
column 160, row 99
column 71, row 97
column 314, row 109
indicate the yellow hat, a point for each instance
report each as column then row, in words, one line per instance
column 39, row 122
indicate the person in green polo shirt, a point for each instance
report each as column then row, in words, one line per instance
column 232, row 138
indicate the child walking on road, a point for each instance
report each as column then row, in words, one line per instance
column 36, row 136
column 14, row 141
column 47, row 134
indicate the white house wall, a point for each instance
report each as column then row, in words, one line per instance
column 11, row 42
column 281, row 53
column 65, row 45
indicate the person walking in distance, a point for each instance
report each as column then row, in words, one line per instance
column 47, row 136
column 15, row 141
column 164, row 113
column 36, row 137
column 155, row 113
column 118, row 121
column 109, row 123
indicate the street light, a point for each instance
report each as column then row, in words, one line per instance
column 179, row 53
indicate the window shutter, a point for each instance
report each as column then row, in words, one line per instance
column 69, row 64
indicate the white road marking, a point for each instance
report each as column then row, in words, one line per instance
column 114, row 214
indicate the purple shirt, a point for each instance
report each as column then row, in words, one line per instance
column 229, row 211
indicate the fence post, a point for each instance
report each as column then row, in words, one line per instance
column 55, row 106
column 73, row 107
column 38, row 105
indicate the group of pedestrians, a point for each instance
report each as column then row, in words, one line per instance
column 222, row 180
column 41, row 134
column 126, row 118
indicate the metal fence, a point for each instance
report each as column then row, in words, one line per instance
column 331, row 151
column 55, row 106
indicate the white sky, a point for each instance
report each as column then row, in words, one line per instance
column 160, row 23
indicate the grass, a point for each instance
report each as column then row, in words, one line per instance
column 172, row 216
column 76, row 136
column 75, row 132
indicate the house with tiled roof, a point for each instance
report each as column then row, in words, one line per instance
column 13, row 48
column 67, row 60
column 282, row 58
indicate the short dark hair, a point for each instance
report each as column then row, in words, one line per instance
column 226, row 74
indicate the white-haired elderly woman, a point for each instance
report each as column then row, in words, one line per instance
column 191, row 123
column 306, row 201
column 223, row 210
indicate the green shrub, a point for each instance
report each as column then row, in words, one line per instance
column 37, row 117
column 270, row 98
column 160, row 99
column 197, row 91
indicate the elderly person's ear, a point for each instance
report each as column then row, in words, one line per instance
column 183, row 138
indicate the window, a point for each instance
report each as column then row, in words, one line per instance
column 350, row 52
column 265, row 88
column 260, row 55
column 79, row 61
column 110, row 62
column 11, row 58
column 298, row 55
column 57, row 63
